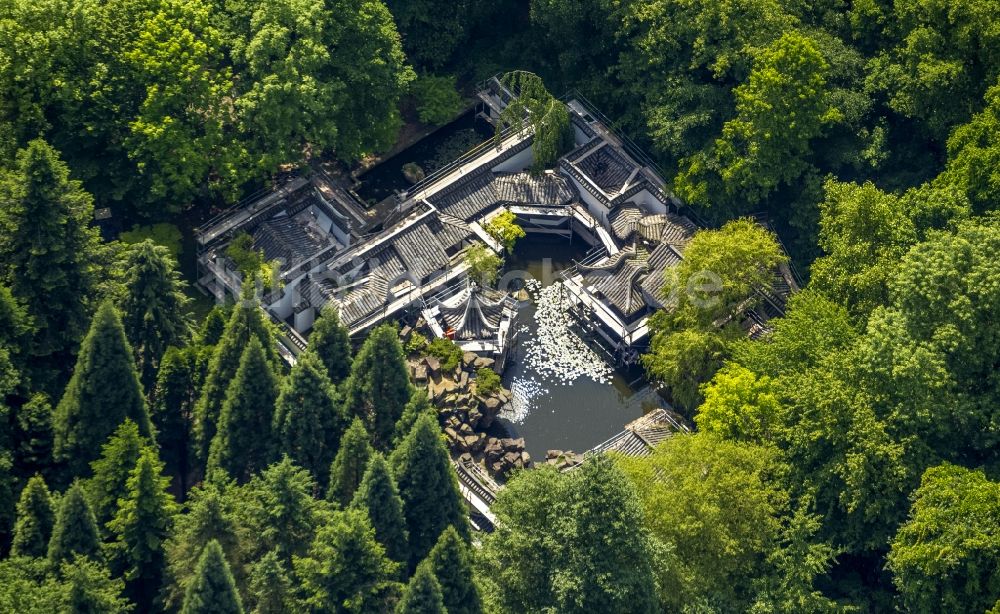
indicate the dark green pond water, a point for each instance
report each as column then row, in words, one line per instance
column 577, row 414
column 431, row 153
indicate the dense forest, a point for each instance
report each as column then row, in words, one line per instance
column 159, row 457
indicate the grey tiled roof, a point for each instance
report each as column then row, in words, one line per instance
column 475, row 315
column 607, row 168
column 483, row 191
column 287, row 239
column 617, row 283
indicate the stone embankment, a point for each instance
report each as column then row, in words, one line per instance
column 466, row 413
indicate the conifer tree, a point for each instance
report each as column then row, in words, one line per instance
column 209, row 517
column 278, row 509
column 172, row 410
column 270, row 587
column 242, row 444
column 308, row 419
column 451, row 562
column 417, row 406
column 141, row 527
column 422, row 594
column 349, row 466
column 379, row 387
column 212, row 326
column 75, row 531
column 91, row 589
column 103, row 391
column 213, row 590
column 153, row 308
column 379, row 497
column 428, row 488
column 346, row 568
column 119, row 456
column 35, row 518
column 46, row 248
column 245, row 322
column 330, row 341
column 34, row 436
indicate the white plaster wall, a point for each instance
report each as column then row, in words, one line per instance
column 518, row 163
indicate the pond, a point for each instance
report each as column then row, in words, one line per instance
column 566, row 396
column 432, row 152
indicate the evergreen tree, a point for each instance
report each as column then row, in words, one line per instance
column 103, row 391
column 330, row 341
column 141, row 526
column 153, row 311
column 242, row 444
column 245, row 322
column 35, row 518
column 270, row 587
column 46, row 248
column 8, row 489
column 209, row 517
column 213, row 326
column 349, row 466
column 119, row 456
column 428, row 487
column 346, row 568
column 33, row 434
column 172, row 410
column 213, row 590
column 75, row 531
column 417, row 406
column 91, row 589
column 422, row 594
column 278, row 509
column 451, row 562
column 308, row 418
column 378, row 496
column 378, row 388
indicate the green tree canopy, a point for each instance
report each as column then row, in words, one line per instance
column 246, row 321
column 208, row 517
column 243, row 443
column 536, row 110
column 172, row 409
column 945, row 557
column 350, row 464
column 378, row 496
column 451, row 561
column 47, row 249
column 212, row 590
column 725, row 503
column 35, row 520
column 309, row 419
column 109, row 484
column 346, row 568
column 153, row 312
column 75, row 531
column 422, row 594
column 141, row 526
column 103, row 392
column 379, row 385
column 428, row 488
column 570, row 542
column 330, row 341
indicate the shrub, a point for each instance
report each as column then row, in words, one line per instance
column 487, row 381
column 416, row 343
column 447, row 352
